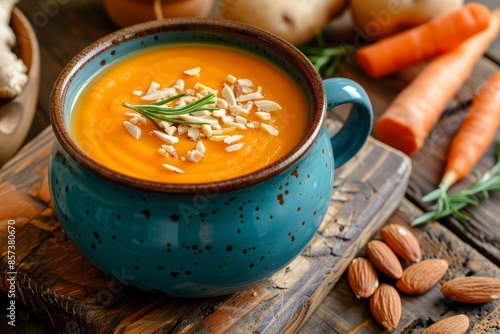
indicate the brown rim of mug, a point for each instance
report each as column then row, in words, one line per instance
column 103, row 45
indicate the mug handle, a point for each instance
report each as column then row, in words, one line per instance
column 356, row 129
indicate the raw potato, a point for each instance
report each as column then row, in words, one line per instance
column 377, row 19
column 297, row 21
column 13, row 76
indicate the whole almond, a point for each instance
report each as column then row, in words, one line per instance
column 362, row 277
column 472, row 289
column 457, row 324
column 384, row 259
column 385, row 305
column 421, row 277
column 402, row 241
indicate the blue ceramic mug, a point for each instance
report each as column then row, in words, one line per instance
column 199, row 240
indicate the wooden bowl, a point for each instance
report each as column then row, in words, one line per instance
column 16, row 115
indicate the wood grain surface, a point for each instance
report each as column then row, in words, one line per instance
column 63, row 29
column 482, row 229
column 418, row 312
column 58, row 284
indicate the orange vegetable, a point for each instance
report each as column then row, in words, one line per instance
column 98, row 115
column 436, row 36
column 411, row 116
column 475, row 134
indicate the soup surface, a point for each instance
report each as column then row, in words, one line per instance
column 258, row 114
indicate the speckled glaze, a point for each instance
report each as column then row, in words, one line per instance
column 204, row 239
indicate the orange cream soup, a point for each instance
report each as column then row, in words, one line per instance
column 98, row 115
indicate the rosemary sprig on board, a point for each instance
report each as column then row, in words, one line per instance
column 326, row 57
column 448, row 204
column 161, row 111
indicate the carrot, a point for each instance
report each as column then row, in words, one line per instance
column 436, row 36
column 410, row 117
column 475, row 134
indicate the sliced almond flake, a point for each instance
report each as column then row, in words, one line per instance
column 237, row 125
column 133, row 129
column 267, row 105
column 134, row 120
column 207, row 130
column 182, row 129
column 248, row 106
column 193, row 133
column 228, row 129
column 201, row 113
column 238, row 110
column 137, row 92
column 221, row 103
column 179, row 85
column 180, row 103
column 250, row 125
column 234, row 147
column 202, row 93
column 256, row 124
column 188, row 99
column 194, row 156
column 153, row 87
column 245, row 82
column 241, row 120
column 219, row 112
column 170, row 130
column 159, row 94
column 251, row 96
column 164, row 124
column 166, row 138
column 217, row 132
column 216, row 126
column 183, row 158
column 227, row 119
column 141, row 118
column 202, row 87
column 173, row 168
column 228, row 95
column 218, row 138
column 270, row 129
column 199, row 119
column 163, row 152
column 263, row 116
column 132, row 114
column 200, row 147
column 233, row 139
column 247, row 90
column 231, row 78
column 193, row 71
column 170, row 150
column 190, row 92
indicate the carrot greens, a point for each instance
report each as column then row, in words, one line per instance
column 448, row 204
column 326, row 57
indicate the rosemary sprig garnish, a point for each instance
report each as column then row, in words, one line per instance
column 325, row 57
column 448, row 204
column 161, row 111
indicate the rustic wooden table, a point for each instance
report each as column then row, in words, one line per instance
column 472, row 247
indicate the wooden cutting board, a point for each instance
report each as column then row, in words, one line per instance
column 57, row 283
